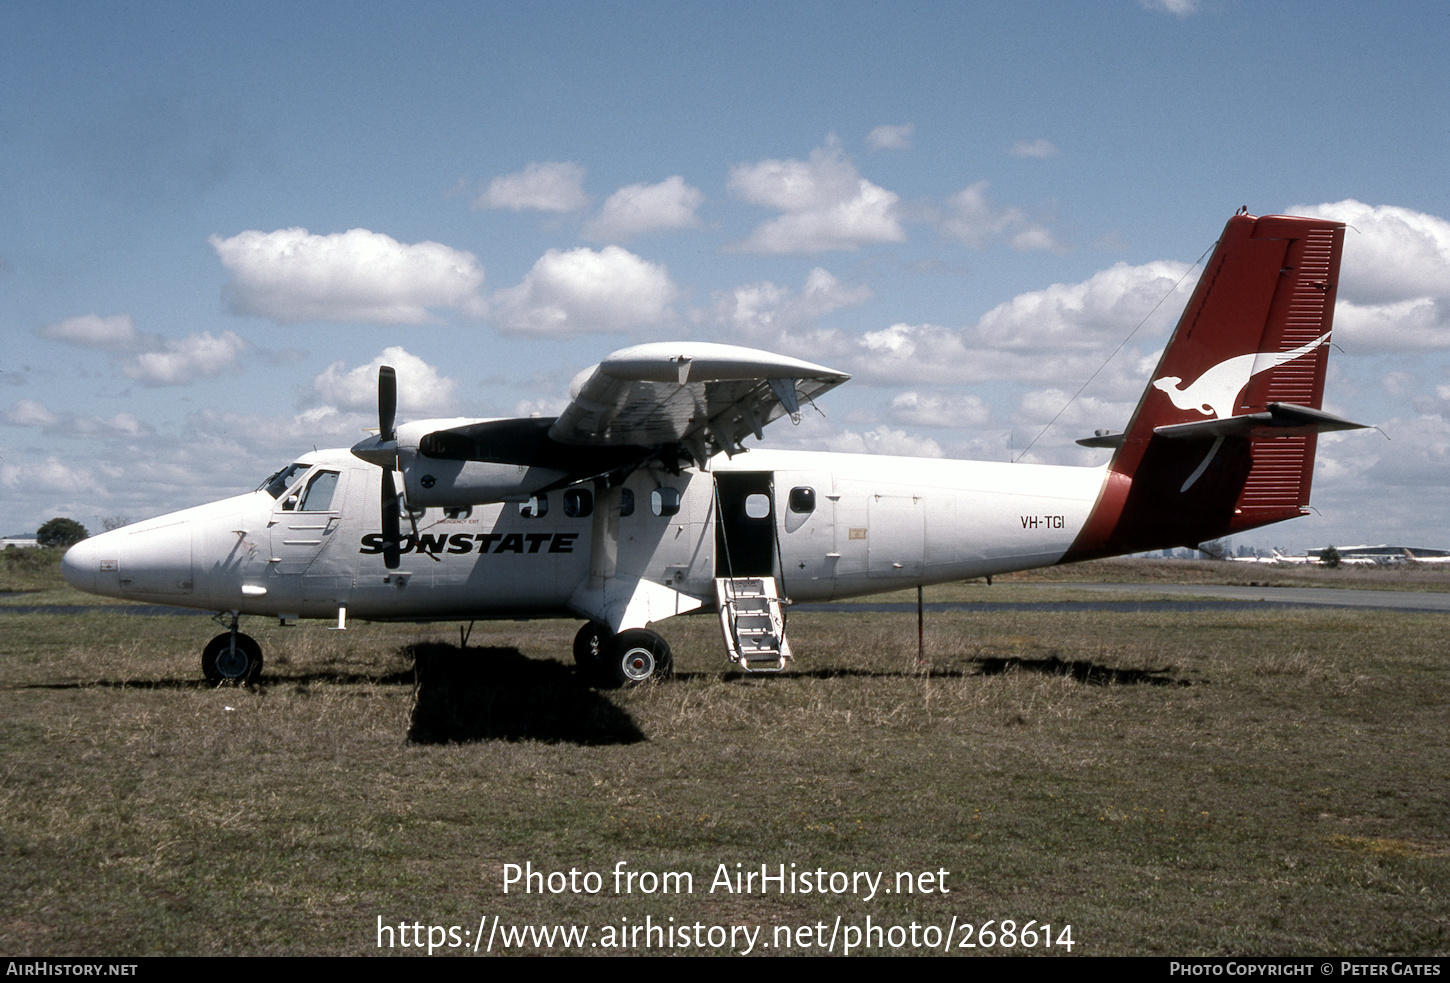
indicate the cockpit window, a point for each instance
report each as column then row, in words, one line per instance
column 282, row 480
column 318, row 496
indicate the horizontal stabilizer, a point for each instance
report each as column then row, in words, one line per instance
column 1102, row 440
column 1279, row 420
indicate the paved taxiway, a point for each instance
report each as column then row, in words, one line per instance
column 1405, row 600
column 1170, row 597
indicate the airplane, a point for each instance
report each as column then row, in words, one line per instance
column 1427, row 557
column 640, row 502
column 1315, row 558
column 1366, row 556
column 1290, row 560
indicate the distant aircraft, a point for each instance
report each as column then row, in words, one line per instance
column 1367, row 556
column 1424, row 556
column 1288, row 559
column 639, row 503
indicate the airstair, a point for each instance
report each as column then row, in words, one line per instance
column 753, row 622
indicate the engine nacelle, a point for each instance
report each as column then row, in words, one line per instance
column 433, row 483
column 458, row 463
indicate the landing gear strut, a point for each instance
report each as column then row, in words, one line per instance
column 231, row 659
column 630, row 658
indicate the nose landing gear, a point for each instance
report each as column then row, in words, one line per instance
column 231, row 659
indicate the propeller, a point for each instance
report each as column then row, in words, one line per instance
column 382, row 450
column 392, row 532
column 387, row 413
column 387, row 402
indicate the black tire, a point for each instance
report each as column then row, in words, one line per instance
column 591, row 648
column 224, row 665
column 639, row 656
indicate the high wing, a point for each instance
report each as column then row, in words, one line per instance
column 705, row 397
column 675, row 402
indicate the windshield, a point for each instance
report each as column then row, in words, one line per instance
column 280, row 481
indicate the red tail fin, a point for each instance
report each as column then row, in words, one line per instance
column 1223, row 438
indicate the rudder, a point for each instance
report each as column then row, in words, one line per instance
column 1223, row 438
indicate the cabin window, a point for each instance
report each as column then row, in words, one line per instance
column 578, row 503
column 757, row 506
column 318, row 496
column 626, row 502
column 535, row 508
column 664, row 501
column 802, row 500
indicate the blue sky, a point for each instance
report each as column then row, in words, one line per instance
column 216, row 220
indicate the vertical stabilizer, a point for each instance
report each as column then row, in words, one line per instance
column 1223, row 438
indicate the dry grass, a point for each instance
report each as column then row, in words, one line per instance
column 1199, row 783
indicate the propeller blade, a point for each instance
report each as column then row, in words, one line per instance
column 387, row 402
column 392, row 533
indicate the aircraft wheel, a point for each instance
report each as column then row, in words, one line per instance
column 225, row 664
column 640, row 656
column 591, row 646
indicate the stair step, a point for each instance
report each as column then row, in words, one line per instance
column 753, row 623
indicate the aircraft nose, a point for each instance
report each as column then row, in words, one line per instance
column 78, row 566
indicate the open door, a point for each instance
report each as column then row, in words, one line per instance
column 745, row 529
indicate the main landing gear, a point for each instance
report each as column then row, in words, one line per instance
column 630, row 658
column 231, row 659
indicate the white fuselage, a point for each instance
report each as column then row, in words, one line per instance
column 865, row 524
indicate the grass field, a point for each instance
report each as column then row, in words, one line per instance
column 1215, row 782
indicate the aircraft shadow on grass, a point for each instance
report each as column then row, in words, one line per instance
column 488, row 693
column 300, row 680
column 1082, row 670
column 463, row 696
column 499, row 694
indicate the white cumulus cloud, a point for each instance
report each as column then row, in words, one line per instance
column 548, row 186
column 580, row 290
column 1061, row 332
column 1039, row 148
column 29, row 413
column 939, row 409
column 421, row 387
column 766, row 314
column 291, row 275
column 50, row 475
column 113, row 333
column 827, row 204
column 1178, row 8
column 181, row 361
column 1390, row 253
column 1104, row 307
column 884, row 440
column 151, row 359
column 1394, row 283
column 891, row 137
column 971, row 218
column 639, row 209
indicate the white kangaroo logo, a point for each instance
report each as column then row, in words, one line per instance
column 1216, row 390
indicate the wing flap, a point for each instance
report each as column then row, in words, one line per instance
column 705, row 396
